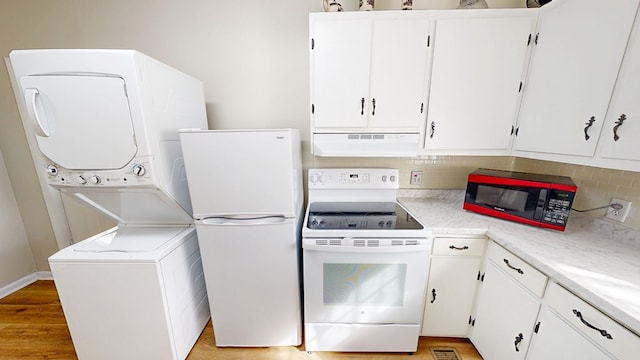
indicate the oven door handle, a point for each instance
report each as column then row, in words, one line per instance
column 366, row 249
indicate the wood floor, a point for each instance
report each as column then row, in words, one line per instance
column 32, row 326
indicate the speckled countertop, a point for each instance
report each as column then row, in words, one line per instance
column 596, row 259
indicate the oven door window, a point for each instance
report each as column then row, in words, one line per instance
column 364, row 284
column 364, row 287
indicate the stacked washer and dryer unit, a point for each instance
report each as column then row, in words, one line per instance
column 106, row 123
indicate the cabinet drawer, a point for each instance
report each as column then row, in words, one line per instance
column 612, row 336
column 458, row 246
column 522, row 272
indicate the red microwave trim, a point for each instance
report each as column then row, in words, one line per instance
column 494, row 180
column 564, row 187
column 553, row 227
column 499, row 214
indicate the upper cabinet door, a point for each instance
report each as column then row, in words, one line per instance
column 367, row 70
column 340, row 61
column 478, row 65
column 398, row 66
column 620, row 134
column 574, row 67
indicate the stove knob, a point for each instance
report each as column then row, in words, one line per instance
column 52, row 170
column 384, row 178
column 321, row 224
column 389, row 223
column 81, row 180
column 381, row 224
column 321, row 179
column 314, row 224
column 95, row 179
column 313, row 179
column 392, row 178
column 139, row 170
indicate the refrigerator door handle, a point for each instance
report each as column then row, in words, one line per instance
column 244, row 220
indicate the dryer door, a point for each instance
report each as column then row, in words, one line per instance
column 82, row 121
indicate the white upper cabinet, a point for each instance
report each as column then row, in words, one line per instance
column 621, row 131
column 479, row 62
column 367, row 71
column 574, row 66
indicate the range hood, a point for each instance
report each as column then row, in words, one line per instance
column 365, row 144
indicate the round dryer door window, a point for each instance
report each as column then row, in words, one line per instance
column 81, row 121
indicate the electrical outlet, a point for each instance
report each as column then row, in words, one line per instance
column 416, row 177
column 618, row 209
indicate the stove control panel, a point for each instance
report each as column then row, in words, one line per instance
column 353, row 179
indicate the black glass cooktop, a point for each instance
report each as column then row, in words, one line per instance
column 360, row 216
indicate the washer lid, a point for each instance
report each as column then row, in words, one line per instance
column 131, row 239
column 82, row 121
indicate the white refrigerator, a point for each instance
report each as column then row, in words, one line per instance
column 247, row 198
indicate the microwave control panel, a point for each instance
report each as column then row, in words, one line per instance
column 558, row 207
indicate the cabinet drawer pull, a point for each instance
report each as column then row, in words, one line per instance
column 433, row 294
column 602, row 332
column 362, row 106
column 433, row 129
column 452, row 247
column 519, row 271
column 373, row 103
column 618, row 123
column 519, row 339
column 586, row 129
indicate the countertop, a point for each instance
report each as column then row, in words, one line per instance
column 596, row 259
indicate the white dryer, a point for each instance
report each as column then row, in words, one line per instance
column 106, row 123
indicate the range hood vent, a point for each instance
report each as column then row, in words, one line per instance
column 366, row 144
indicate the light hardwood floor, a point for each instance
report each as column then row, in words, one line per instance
column 32, row 326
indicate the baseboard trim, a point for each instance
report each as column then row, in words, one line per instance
column 27, row 280
column 44, row 275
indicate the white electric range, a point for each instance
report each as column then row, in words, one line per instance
column 365, row 262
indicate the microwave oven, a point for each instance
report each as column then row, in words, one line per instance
column 533, row 199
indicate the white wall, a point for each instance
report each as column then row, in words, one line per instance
column 16, row 260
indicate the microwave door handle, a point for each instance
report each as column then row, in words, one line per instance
column 540, row 205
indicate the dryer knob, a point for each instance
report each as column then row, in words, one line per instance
column 95, row 179
column 52, row 170
column 81, row 180
column 139, row 170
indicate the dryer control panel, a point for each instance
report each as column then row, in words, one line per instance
column 136, row 173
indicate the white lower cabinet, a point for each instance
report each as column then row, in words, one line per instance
column 514, row 321
column 555, row 339
column 572, row 329
column 451, row 288
column 507, row 308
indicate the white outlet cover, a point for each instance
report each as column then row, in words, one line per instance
column 619, row 215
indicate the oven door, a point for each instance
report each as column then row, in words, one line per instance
column 365, row 280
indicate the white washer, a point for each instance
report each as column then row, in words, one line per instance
column 140, row 290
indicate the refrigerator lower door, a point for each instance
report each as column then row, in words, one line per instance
column 252, row 277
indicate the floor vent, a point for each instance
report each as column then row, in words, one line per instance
column 444, row 353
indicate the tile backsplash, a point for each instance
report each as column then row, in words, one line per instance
column 596, row 186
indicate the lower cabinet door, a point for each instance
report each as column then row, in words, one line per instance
column 450, row 294
column 505, row 317
column 557, row 340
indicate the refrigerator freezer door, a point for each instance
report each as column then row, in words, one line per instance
column 252, row 281
column 243, row 172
